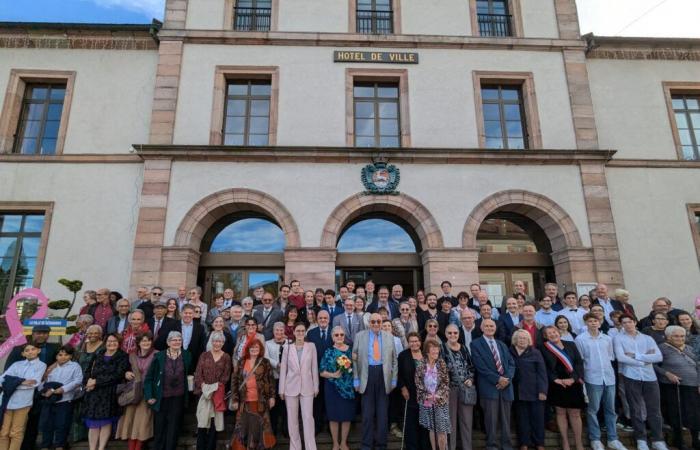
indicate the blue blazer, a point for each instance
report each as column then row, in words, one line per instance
column 505, row 328
column 314, row 336
column 336, row 311
column 392, row 304
column 486, row 373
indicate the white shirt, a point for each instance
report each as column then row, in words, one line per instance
column 515, row 318
column 467, row 335
column 187, row 334
column 597, row 353
column 640, row 366
column 29, row 370
column 546, row 318
column 608, row 308
column 121, row 325
column 273, row 354
column 70, row 375
column 575, row 317
column 227, row 303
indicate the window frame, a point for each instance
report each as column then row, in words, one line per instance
column 11, row 112
column 375, row 101
column 22, row 122
column 32, row 208
column 670, row 89
column 515, row 12
column 223, row 74
column 396, row 16
column 399, row 76
column 230, row 15
column 525, row 80
column 248, row 98
column 693, row 212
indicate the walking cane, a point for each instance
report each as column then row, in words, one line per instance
column 403, row 429
column 680, row 410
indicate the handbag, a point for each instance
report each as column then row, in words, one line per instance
column 466, row 394
column 80, row 390
column 131, row 392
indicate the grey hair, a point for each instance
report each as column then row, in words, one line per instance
column 139, row 311
column 517, row 333
column 671, row 328
column 94, row 327
column 246, row 299
column 173, row 335
column 86, row 318
column 621, row 292
column 278, row 325
column 216, row 336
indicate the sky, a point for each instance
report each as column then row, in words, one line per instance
column 658, row 18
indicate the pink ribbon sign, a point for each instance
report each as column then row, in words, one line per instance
column 13, row 320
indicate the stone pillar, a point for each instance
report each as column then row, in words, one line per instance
column 601, row 224
column 459, row 266
column 573, row 265
column 567, row 19
column 179, row 267
column 150, row 230
column 314, row 267
column 580, row 99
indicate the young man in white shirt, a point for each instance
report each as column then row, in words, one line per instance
column 546, row 315
column 636, row 353
column 597, row 352
column 573, row 313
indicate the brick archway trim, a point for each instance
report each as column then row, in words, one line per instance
column 210, row 209
column 554, row 220
column 401, row 205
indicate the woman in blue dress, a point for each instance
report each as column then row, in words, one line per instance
column 339, row 391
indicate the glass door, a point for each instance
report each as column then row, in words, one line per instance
column 499, row 282
column 243, row 282
column 409, row 279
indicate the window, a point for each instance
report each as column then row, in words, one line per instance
column 374, row 17
column 686, row 111
column 504, row 117
column 20, row 248
column 376, row 235
column 694, row 216
column 251, row 235
column 35, row 112
column 493, row 18
column 376, row 114
column 247, row 112
column 252, row 15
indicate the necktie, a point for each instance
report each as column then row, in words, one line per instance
column 349, row 323
column 323, row 335
column 496, row 358
column 376, row 353
column 281, row 350
column 157, row 328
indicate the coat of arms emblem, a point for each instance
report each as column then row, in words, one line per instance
column 380, row 178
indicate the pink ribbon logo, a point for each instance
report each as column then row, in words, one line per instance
column 15, row 324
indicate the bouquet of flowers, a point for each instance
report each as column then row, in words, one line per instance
column 344, row 364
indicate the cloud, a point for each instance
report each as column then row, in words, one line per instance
column 249, row 235
column 376, row 235
column 152, row 8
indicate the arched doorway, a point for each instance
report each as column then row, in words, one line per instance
column 242, row 251
column 513, row 248
column 380, row 247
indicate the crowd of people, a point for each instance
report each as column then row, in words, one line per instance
column 426, row 368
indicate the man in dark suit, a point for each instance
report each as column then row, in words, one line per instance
column 508, row 321
column 159, row 321
column 147, row 303
column 266, row 315
column 384, row 301
column 120, row 321
column 397, row 294
column 331, row 305
column 495, row 369
column 443, row 319
column 446, row 287
column 194, row 337
column 322, row 340
column 609, row 305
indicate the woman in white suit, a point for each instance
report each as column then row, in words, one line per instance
column 298, row 388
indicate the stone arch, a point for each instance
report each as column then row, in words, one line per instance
column 210, row 209
column 401, row 205
column 556, row 223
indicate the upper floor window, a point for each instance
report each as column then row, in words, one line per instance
column 247, row 112
column 20, row 241
column 504, row 116
column 493, row 18
column 376, row 114
column 40, row 119
column 375, row 17
column 252, row 15
column 686, row 109
column 694, row 216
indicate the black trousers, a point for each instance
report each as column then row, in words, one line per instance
column 530, row 423
column 166, row 423
column 415, row 437
column 279, row 412
column 319, row 409
column 375, row 408
column 206, row 437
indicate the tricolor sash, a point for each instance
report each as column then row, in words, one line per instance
column 561, row 356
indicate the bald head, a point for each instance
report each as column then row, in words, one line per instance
column 488, row 327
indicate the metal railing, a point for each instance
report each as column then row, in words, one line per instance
column 375, row 22
column 252, row 19
column 495, row 25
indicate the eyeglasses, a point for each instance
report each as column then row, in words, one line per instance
column 432, row 326
column 339, row 335
column 375, row 321
column 449, row 333
column 157, row 294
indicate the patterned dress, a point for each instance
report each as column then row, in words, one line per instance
column 433, row 415
column 339, row 393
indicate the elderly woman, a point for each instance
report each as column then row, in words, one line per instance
column 195, row 299
column 82, row 322
column 432, row 328
column 433, row 395
column 659, row 322
column 247, row 305
column 623, row 296
column 339, row 392
column 565, row 392
column 462, row 387
column 679, row 380
column 90, row 298
column 165, row 391
column 530, row 388
column 137, row 326
column 405, row 323
column 100, row 409
column 219, row 324
column 253, row 395
column 85, row 356
column 210, row 380
column 136, row 424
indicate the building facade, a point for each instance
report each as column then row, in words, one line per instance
column 228, row 147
